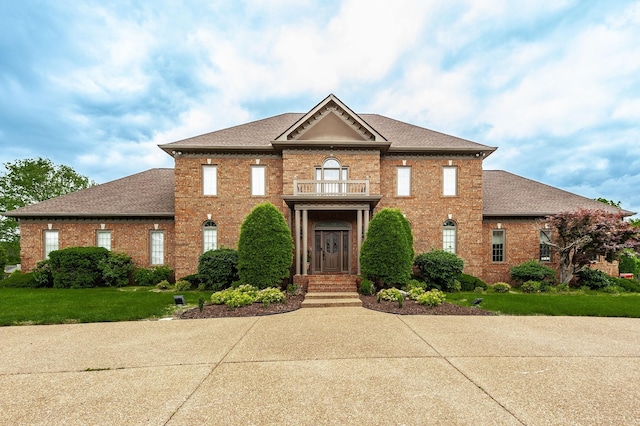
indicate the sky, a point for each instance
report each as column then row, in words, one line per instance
column 555, row 85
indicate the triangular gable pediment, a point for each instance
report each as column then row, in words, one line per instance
column 331, row 120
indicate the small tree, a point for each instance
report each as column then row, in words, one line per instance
column 439, row 268
column 265, row 247
column 386, row 254
column 583, row 235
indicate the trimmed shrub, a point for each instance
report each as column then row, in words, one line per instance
column 593, row 278
column 183, row 285
column 627, row 285
column 117, row 269
column 532, row 270
column 149, row 277
column 241, row 296
column 42, row 274
column 19, row 280
column 265, row 247
column 431, row 298
column 530, row 287
column 163, row 285
column 470, row 283
column 387, row 251
column 414, row 292
column 77, row 267
column 217, row 269
column 193, row 279
column 439, row 269
column 413, row 283
column 501, row 287
column 367, row 288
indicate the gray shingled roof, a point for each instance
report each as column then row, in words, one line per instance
column 506, row 194
column 259, row 135
column 150, row 193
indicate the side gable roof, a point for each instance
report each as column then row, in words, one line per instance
column 146, row 194
column 506, row 194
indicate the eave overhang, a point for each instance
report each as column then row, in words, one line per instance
column 371, row 200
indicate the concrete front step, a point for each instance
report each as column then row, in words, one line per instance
column 331, row 300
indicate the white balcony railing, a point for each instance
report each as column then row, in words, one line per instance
column 331, row 187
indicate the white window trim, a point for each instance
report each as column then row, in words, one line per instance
column 450, row 181
column 209, row 226
column 152, row 252
column 452, row 229
column 401, row 190
column 504, row 245
column 46, row 247
column 209, row 180
column 103, row 232
column 258, row 181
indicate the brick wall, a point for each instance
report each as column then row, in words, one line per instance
column 130, row 237
column 228, row 208
column 427, row 209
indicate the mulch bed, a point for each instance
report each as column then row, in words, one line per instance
column 409, row 307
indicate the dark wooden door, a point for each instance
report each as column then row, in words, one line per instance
column 332, row 251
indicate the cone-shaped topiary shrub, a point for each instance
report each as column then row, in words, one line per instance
column 265, row 247
column 386, row 254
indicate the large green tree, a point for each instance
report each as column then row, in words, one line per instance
column 30, row 181
column 265, row 247
column 386, row 255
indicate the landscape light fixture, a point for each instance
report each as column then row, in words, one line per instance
column 179, row 299
column 476, row 302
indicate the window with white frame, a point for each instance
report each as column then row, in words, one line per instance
column 403, row 181
column 103, row 239
column 258, row 181
column 449, row 236
column 51, row 242
column 497, row 245
column 209, row 236
column 331, row 170
column 545, row 248
column 156, row 245
column 450, row 181
column 209, row 180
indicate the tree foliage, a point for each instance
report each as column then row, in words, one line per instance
column 532, row 270
column 30, row 181
column 583, row 235
column 386, row 254
column 265, row 247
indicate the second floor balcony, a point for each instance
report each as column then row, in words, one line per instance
column 330, row 188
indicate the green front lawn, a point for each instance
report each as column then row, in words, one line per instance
column 570, row 304
column 55, row 306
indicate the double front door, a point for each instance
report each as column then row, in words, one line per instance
column 331, row 251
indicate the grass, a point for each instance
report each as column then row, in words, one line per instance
column 571, row 304
column 57, row 306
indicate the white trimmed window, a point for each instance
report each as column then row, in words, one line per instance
column 209, row 236
column 156, row 245
column 403, row 181
column 497, row 245
column 258, row 181
column 103, row 239
column 450, row 181
column 51, row 242
column 545, row 248
column 331, row 170
column 209, row 180
column 449, row 236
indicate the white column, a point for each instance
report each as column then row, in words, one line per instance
column 305, row 241
column 359, row 227
column 366, row 222
column 296, row 238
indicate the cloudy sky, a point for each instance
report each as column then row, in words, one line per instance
column 97, row 85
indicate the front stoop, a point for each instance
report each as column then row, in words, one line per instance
column 331, row 300
column 341, row 283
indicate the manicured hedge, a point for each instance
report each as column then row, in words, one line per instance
column 77, row 267
column 217, row 269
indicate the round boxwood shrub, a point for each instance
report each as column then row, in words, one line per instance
column 593, row 278
column 217, row 269
column 532, row 270
column 77, row 267
column 19, row 280
column 439, row 269
column 151, row 276
column 265, row 247
column 387, row 251
column 470, row 283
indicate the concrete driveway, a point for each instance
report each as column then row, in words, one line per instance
column 324, row 366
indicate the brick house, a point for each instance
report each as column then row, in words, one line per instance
column 328, row 170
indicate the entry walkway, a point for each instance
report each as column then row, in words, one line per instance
column 324, row 366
